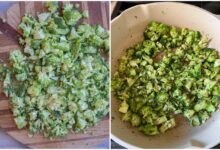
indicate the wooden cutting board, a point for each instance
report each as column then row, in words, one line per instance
column 99, row 14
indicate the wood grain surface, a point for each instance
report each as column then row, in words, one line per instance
column 99, row 14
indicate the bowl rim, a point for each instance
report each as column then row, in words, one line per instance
column 159, row 3
column 114, row 137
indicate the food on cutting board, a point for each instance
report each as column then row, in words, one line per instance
column 59, row 82
column 172, row 71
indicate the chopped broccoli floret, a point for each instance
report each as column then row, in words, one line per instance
column 170, row 72
column 61, row 81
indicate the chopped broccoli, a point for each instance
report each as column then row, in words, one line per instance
column 124, row 107
column 61, row 81
column 52, row 6
column 71, row 15
column 170, row 72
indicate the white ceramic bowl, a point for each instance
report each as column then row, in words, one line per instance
column 126, row 30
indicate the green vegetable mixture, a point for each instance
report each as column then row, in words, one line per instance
column 170, row 72
column 61, row 81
